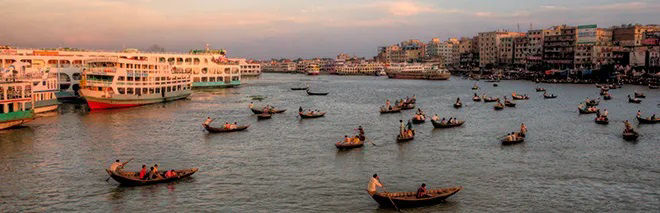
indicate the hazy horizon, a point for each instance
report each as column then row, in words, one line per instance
column 289, row 28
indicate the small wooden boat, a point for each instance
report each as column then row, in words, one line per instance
column 602, row 121
column 647, row 120
column 313, row 115
column 475, row 88
column 299, row 88
column 630, row 135
column 490, row 99
column 546, row 96
column 400, row 138
column 344, row 146
column 133, row 178
column 415, row 121
column 272, row 111
column 407, row 106
column 437, row 124
column 263, row 116
column 607, row 96
column 634, row 100
column 476, row 98
column 592, row 103
column 317, row 93
column 410, row 101
column 410, row 200
column 458, row 105
column 520, row 97
column 586, row 111
column 640, row 95
column 384, row 110
column 539, row 89
column 219, row 130
column 506, row 141
column 494, row 85
column 509, row 104
column 498, row 106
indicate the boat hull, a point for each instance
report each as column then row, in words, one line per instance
column 100, row 103
column 408, row 200
column 12, row 119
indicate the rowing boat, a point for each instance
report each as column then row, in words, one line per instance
column 647, row 120
column 220, row 130
column 630, row 135
column 384, row 110
column 317, row 93
column 410, row 200
column 506, row 141
column 133, row 179
column 313, row 115
column 344, row 146
column 271, row 111
column 300, row 88
column 264, row 116
column 447, row 124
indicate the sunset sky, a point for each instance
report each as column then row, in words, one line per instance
column 263, row 29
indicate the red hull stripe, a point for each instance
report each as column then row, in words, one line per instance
column 101, row 105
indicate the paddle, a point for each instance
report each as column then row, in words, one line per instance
column 390, row 198
column 129, row 160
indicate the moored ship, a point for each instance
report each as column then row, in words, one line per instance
column 313, row 69
column 115, row 82
column 417, row 71
column 15, row 102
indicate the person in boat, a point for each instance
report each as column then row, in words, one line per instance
column 356, row 139
column 628, row 126
column 361, row 132
column 435, row 117
column 604, row 114
column 300, row 109
column 443, row 121
column 169, row 174
column 422, row 192
column 402, row 127
column 514, row 136
column 155, row 173
column 346, row 139
column 251, row 105
column 233, row 126
column 458, row 100
column 150, row 173
column 419, row 111
column 523, row 128
column 409, row 125
column 653, row 117
column 598, row 113
column 227, row 125
column 117, row 166
column 639, row 113
column 207, row 122
column 143, row 172
column 373, row 185
column 387, row 103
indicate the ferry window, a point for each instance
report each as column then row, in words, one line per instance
column 144, row 66
column 219, row 78
column 204, row 79
column 196, row 79
column 130, row 91
column 77, row 76
column 145, row 91
column 137, row 78
column 178, row 87
column 122, row 78
column 2, row 108
column 158, row 90
column 129, row 78
column 138, row 91
column 169, row 89
column 212, row 79
column 205, row 70
column 151, row 90
column 121, row 90
column 173, row 88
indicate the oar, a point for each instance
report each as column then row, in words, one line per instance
column 129, row 160
column 391, row 201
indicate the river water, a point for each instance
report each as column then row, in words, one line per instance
column 567, row 163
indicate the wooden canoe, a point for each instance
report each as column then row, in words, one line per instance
column 498, row 106
column 410, row 200
column 602, row 121
column 634, row 100
column 509, row 104
column 538, row 89
column 490, row 99
column 132, row 178
column 299, row 88
column 219, row 130
column 519, row 97
column 415, row 121
column 630, row 136
column 505, row 141
column 344, row 146
column 458, row 105
column 607, row 97
column 647, row 120
column 317, row 93
column 393, row 110
column 476, row 99
column 400, row 139
column 592, row 103
column 313, row 115
column 494, row 85
column 264, row 116
column 272, row 111
column 407, row 106
column 585, row 111
column 549, row 96
column 640, row 95
column 437, row 124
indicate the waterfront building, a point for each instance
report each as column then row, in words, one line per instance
column 631, row 35
column 433, row 50
column 489, row 46
column 559, row 47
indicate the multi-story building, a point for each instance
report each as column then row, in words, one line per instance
column 414, row 50
column 391, row 54
column 433, row 50
column 631, row 35
column 534, row 55
column 559, row 49
column 521, row 50
column 247, row 67
column 489, row 46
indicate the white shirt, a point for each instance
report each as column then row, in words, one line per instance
column 373, row 183
column 208, row 121
column 114, row 166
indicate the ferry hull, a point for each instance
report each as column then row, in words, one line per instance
column 45, row 109
column 215, row 84
column 12, row 119
column 100, row 104
column 421, row 77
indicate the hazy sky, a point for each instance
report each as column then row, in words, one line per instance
column 290, row 28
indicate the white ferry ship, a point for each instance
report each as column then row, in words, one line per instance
column 313, row 69
column 117, row 82
column 417, row 71
column 15, row 102
column 43, row 83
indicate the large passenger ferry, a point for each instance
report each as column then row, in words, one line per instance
column 15, row 102
column 417, row 71
column 42, row 80
column 116, row 82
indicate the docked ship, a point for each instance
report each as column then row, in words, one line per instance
column 69, row 84
column 43, row 83
column 117, row 82
column 15, row 102
column 417, row 71
column 313, row 69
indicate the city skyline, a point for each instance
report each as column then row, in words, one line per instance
column 290, row 29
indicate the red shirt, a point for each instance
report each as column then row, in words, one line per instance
column 143, row 172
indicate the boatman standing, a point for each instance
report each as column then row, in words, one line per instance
column 251, row 105
column 207, row 122
column 374, row 182
column 116, row 166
